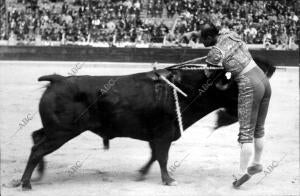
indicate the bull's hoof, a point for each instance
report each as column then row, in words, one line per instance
column 141, row 177
column 26, row 186
column 106, row 147
column 15, row 183
column 143, row 171
column 170, row 182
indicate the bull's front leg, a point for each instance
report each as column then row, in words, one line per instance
column 145, row 169
column 162, row 152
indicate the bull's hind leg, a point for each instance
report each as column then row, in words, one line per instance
column 145, row 169
column 161, row 152
column 37, row 136
column 106, row 143
column 39, row 150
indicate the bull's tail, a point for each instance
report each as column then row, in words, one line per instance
column 51, row 78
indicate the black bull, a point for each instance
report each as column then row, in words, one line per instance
column 139, row 106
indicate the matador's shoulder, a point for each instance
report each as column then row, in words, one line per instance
column 215, row 56
column 229, row 36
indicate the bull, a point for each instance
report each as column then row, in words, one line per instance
column 139, row 106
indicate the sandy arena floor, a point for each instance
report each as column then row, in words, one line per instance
column 206, row 163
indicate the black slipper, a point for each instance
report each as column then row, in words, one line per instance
column 238, row 182
column 250, row 172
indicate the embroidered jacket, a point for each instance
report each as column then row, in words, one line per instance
column 230, row 52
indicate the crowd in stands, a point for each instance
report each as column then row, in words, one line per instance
column 79, row 21
column 2, row 19
column 256, row 21
column 149, row 21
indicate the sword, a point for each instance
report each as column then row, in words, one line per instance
column 187, row 62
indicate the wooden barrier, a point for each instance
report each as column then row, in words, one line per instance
column 144, row 55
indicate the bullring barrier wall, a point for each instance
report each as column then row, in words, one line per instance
column 141, row 55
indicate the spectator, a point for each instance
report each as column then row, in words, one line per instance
column 267, row 40
column 283, row 38
column 252, row 34
column 257, row 21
